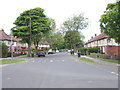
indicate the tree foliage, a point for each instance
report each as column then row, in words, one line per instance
column 52, row 24
column 73, row 39
column 110, row 21
column 75, row 23
column 56, row 40
column 35, row 20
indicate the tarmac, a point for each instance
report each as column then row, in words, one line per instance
column 94, row 59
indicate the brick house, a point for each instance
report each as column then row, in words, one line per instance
column 107, row 45
column 44, row 44
column 8, row 40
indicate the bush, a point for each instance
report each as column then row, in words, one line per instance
column 46, row 48
column 0, row 49
column 17, row 54
column 40, row 50
column 4, row 50
column 22, row 50
column 93, row 50
column 62, row 50
column 83, row 50
column 9, row 54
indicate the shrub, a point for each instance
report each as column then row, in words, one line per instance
column 93, row 50
column 83, row 50
column 62, row 50
column 46, row 48
column 17, row 54
column 0, row 49
column 9, row 54
column 4, row 50
column 22, row 50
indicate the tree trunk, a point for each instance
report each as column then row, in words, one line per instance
column 36, row 47
column 29, row 49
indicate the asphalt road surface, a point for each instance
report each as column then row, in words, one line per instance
column 59, row 70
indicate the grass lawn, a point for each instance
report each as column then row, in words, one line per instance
column 87, row 60
column 112, row 61
column 9, row 61
column 14, row 60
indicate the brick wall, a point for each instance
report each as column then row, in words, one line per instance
column 113, row 50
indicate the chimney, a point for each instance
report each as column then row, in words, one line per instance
column 95, row 34
column 91, row 37
column 2, row 29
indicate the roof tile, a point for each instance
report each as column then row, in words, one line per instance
column 99, row 37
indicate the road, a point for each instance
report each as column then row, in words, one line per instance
column 59, row 70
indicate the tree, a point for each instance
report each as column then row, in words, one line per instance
column 75, row 23
column 110, row 21
column 71, row 29
column 49, row 36
column 57, row 41
column 40, row 36
column 52, row 24
column 73, row 39
column 34, row 22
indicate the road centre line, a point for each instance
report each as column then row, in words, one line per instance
column 8, row 78
column 51, row 60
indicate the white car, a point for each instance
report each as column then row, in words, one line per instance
column 51, row 51
column 57, row 51
column 69, row 51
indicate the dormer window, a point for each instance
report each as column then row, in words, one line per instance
column 109, row 40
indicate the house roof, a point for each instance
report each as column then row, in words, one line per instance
column 15, row 39
column 96, row 38
column 4, row 36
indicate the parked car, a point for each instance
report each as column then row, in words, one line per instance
column 41, row 53
column 69, row 51
column 57, row 51
column 51, row 51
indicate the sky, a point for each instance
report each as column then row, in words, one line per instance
column 60, row 10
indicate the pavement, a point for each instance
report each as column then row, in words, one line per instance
column 60, row 70
column 97, row 60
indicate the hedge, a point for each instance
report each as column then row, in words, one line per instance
column 85, row 51
column 4, row 50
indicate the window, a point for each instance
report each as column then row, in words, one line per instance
column 109, row 40
column 9, row 43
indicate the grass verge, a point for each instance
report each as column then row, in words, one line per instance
column 9, row 61
column 87, row 60
column 25, row 57
column 112, row 61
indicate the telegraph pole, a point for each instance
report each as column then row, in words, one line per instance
column 30, row 37
column 11, row 46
